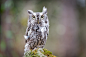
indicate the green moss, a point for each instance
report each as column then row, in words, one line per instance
column 39, row 52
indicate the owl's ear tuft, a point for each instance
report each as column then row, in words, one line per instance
column 44, row 10
column 30, row 11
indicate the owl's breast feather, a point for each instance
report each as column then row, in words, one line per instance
column 43, row 29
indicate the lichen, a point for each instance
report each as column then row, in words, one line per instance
column 39, row 52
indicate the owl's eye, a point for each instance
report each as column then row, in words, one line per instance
column 33, row 17
column 42, row 17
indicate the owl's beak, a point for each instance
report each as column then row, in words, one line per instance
column 38, row 21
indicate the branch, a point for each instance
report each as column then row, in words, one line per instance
column 39, row 52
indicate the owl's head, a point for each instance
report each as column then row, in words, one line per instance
column 38, row 17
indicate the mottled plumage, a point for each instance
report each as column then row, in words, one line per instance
column 37, row 30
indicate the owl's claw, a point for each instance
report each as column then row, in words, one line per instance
column 26, row 37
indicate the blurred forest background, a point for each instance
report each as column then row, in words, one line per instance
column 67, row 36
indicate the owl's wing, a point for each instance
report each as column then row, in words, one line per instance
column 47, row 28
column 26, row 36
column 47, row 31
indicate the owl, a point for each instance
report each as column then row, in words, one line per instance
column 37, row 30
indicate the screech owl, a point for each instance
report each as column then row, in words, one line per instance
column 37, row 30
